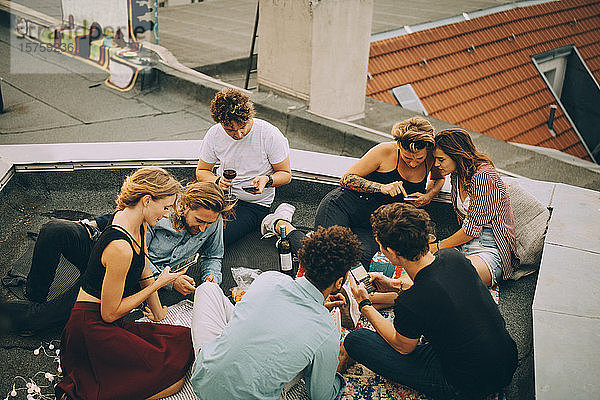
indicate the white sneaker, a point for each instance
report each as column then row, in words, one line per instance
column 284, row 211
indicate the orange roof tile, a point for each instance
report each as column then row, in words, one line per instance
column 479, row 73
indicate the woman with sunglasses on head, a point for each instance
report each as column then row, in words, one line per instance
column 387, row 173
column 101, row 355
column 480, row 200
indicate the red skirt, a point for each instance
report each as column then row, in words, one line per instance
column 121, row 360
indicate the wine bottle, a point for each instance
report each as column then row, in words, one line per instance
column 285, row 254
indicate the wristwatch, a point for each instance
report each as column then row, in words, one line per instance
column 270, row 181
column 365, row 302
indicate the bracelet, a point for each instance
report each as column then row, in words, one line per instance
column 401, row 288
column 437, row 244
column 218, row 180
column 365, row 302
column 269, row 182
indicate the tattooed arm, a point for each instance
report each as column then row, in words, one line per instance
column 354, row 178
column 360, row 184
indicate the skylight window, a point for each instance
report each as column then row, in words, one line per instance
column 554, row 71
column 576, row 91
column 407, row 98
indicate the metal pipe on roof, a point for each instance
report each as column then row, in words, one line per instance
column 1, row 100
column 550, row 121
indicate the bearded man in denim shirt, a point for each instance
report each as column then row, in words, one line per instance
column 196, row 226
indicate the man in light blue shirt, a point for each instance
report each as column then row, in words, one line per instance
column 281, row 328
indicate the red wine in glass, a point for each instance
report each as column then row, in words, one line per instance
column 230, row 174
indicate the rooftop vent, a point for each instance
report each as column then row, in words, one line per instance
column 407, row 98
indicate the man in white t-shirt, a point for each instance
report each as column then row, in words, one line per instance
column 255, row 149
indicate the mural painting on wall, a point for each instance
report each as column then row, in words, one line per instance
column 112, row 44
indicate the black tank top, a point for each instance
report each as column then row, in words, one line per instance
column 389, row 177
column 94, row 274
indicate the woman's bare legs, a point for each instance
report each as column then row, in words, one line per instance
column 482, row 269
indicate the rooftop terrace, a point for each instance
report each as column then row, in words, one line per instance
column 64, row 104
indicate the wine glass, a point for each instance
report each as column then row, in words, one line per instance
column 229, row 172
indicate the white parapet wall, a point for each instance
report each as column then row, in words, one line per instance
column 566, row 308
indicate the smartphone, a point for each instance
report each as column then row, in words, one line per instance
column 250, row 189
column 359, row 273
column 188, row 262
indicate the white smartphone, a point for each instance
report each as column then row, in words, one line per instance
column 360, row 275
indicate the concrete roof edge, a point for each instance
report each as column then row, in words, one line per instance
column 293, row 118
column 513, row 158
column 290, row 115
column 557, row 154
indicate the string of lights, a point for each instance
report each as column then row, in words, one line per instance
column 41, row 385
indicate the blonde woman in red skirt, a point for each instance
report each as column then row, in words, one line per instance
column 102, row 356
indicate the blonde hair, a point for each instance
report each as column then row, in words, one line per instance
column 153, row 181
column 414, row 134
column 200, row 195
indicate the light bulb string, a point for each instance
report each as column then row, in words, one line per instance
column 34, row 390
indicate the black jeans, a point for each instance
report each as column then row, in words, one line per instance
column 348, row 208
column 57, row 237
column 248, row 217
column 295, row 237
column 420, row 370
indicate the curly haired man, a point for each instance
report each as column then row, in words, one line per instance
column 256, row 150
column 280, row 330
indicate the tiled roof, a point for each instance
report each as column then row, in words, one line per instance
column 478, row 74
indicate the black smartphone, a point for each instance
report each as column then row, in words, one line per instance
column 188, row 262
column 250, row 189
column 360, row 275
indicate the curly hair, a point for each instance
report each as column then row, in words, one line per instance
column 199, row 195
column 403, row 228
column 328, row 254
column 458, row 145
column 230, row 105
column 414, row 134
column 153, row 181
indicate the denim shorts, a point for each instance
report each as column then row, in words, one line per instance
column 485, row 247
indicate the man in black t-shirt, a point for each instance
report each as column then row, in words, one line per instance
column 466, row 351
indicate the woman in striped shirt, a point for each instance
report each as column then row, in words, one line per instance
column 480, row 200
